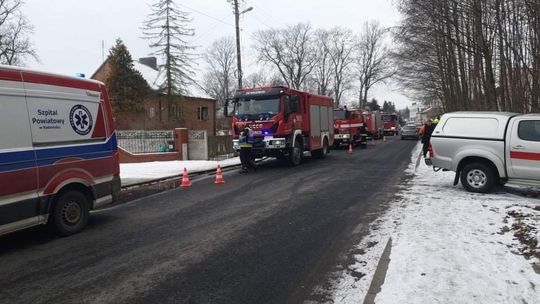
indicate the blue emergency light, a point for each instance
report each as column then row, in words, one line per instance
column 81, row 75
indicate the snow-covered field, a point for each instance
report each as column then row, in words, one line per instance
column 449, row 246
column 141, row 172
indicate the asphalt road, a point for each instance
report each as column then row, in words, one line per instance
column 267, row 237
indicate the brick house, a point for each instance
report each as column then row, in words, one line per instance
column 194, row 113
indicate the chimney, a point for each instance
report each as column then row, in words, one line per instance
column 150, row 62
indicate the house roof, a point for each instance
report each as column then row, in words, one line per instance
column 154, row 78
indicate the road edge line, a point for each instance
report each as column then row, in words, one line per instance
column 380, row 274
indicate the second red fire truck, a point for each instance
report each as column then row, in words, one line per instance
column 349, row 128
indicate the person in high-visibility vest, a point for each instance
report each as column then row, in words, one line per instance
column 436, row 120
column 246, row 141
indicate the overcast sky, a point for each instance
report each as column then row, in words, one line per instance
column 69, row 33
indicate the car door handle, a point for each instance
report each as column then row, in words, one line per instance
column 518, row 147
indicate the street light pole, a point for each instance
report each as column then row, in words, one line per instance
column 238, row 56
column 237, row 14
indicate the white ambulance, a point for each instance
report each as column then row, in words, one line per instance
column 58, row 151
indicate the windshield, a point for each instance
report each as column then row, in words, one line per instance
column 409, row 128
column 387, row 118
column 246, row 106
column 339, row 115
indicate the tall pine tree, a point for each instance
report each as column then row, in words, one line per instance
column 167, row 30
column 127, row 88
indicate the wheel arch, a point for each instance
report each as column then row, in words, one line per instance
column 477, row 159
column 466, row 157
column 296, row 135
column 74, row 185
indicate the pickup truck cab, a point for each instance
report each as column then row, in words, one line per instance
column 488, row 148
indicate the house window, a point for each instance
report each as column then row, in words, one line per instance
column 175, row 112
column 202, row 113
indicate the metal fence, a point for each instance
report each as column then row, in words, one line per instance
column 220, row 147
column 141, row 141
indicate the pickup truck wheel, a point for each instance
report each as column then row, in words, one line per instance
column 295, row 157
column 70, row 213
column 478, row 177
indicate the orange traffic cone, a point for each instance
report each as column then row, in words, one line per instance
column 350, row 148
column 185, row 179
column 219, row 176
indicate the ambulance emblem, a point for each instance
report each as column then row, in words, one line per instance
column 80, row 119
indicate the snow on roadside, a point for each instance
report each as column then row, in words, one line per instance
column 448, row 246
column 140, row 172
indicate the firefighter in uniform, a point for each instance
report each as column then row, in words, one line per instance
column 246, row 141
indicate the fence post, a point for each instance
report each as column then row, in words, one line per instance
column 181, row 142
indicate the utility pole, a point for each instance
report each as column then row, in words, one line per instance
column 237, row 14
column 238, row 56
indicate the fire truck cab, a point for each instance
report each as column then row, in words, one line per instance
column 286, row 122
column 390, row 123
column 349, row 128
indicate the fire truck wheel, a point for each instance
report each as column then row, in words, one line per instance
column 321, row 153
column 295, row 157
column 70, row 213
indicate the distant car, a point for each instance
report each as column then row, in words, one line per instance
column 410, row 131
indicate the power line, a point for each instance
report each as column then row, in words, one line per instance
column 206, row 32
column 204, row 14
column 266, row 15
column 260, row 21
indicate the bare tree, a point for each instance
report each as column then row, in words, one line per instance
column 471, row 54
column 373, row 59
column 262, row 78
column 322, row 73
column 340, row 46
column 219, row 78
column 15, row 44
column 290, row 51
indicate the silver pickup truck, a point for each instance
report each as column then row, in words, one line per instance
column 488, row 148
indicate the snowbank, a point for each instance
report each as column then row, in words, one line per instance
column 140, row 172
column 448, row 246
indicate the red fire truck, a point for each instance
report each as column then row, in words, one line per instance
column 390, row 123
column 374, row 126
column 286, row 122
column 349, row 128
